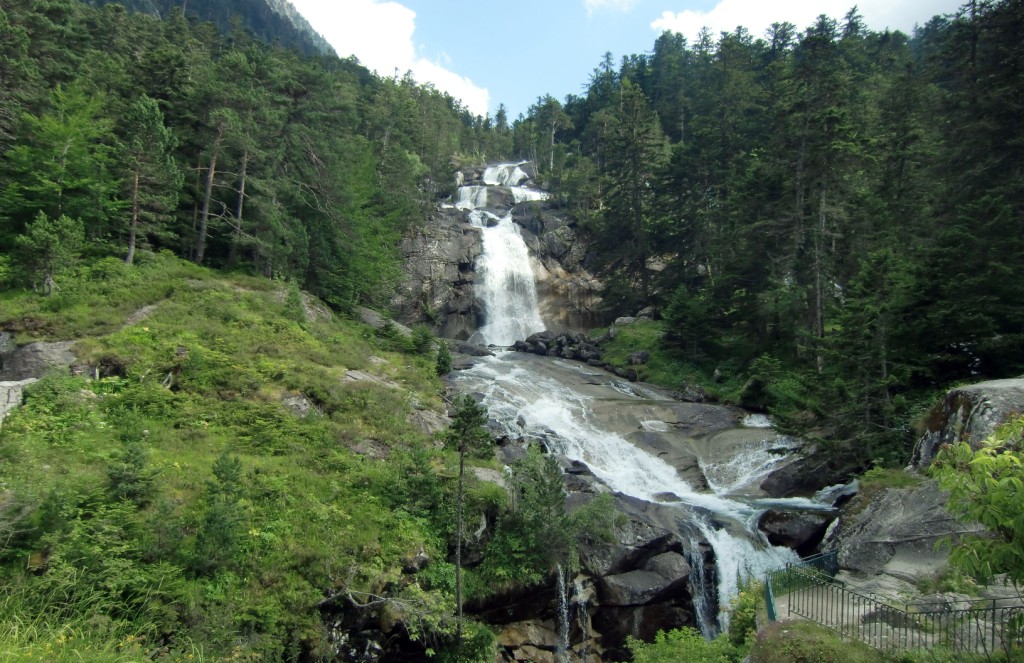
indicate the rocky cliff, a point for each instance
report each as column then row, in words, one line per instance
column 968, row 414
column 888, row 538
column 441, row 264
column 440, row 259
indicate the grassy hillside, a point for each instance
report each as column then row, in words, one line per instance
column 167, row 503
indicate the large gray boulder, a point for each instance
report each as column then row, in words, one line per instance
column 11, row 393
column 969, row 414
column 801, row 531
column 894, row 531
column 35, row 359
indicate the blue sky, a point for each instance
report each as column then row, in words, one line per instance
column 486, row 53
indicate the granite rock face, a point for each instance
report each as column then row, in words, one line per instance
column 969, row 414
column 440, row 263
column 894, row 532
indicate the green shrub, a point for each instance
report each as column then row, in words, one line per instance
column 444, row 359
column 807, row 642
column 685, row 644
column 743, row 620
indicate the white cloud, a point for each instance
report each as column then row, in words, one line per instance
column 757, row 15
column 380, row 34
column 612, row 5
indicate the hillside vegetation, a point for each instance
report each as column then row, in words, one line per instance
column 175, row 505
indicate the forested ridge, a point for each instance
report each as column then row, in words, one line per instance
column 217, row 146
column 829, row 220
column 832, row 215
column 239, row 474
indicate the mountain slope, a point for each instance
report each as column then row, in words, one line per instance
column 269, row 20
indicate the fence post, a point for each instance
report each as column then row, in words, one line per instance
column 993, row 620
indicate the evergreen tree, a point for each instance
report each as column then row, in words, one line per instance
column 467, row 436
column 62, row 165
column 154, row 180
column 49, row 246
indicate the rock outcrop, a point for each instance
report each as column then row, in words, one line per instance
column 440, row 262
column 894, row 532
column 20, row 367
column 35, row 359
column 440, row 259
column 632, row 587
column 969, row 414
column 11, row 392
column 567, row 291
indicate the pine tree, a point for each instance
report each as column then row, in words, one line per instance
column 468, row 436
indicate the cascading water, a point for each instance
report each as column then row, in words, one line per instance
column 587, row 416
column 574, row 413
column 507, row 287
column 562, row 653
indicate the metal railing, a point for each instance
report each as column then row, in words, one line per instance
column 808, row 590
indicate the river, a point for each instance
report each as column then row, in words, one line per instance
column 703, row 461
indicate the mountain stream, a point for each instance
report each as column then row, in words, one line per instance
column 703, row 462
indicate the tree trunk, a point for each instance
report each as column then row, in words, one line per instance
column 239, row 208
column 204, row 214
column 133, row 226
column 458, row 552
column 819, row 285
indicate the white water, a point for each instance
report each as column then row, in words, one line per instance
column 748, row 468
column 505, row 174
column 562, row 415
column 561, row 654
column 561, row 412
column 507, row 287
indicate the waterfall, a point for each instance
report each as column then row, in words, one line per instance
column 507, row 288
column 701, row 590
column 562, row 652
column 576, row 410
column 585, row 415
column 579, row 600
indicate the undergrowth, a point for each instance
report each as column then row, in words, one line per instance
column 168, row 504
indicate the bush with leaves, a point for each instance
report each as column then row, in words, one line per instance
column 985, row 486
column 685, row 644
column 49, row 246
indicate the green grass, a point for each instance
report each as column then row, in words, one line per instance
column 806, row 642
column 201, row 376
column 881, row 478
column 665, row 367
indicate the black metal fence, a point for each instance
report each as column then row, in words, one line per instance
column 808, row 590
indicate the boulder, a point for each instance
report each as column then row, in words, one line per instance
column 531, row 632
column 472, row 350
column 692, row 393
column 35, row 359
column 801, row 531
column 11, row 393
column 298, row 404
column 633, row 588
column 639, row 357
column 895, row 531
column 969, row 414
column 802, row 477
column 636, row 542
column 625, row 320
column 378, row 322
